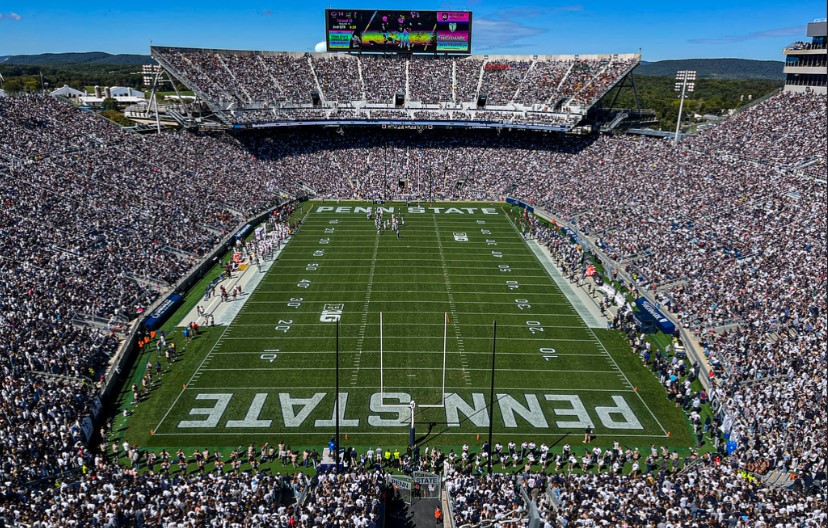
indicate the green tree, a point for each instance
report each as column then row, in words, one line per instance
column 712, row 96
column 13, row 85
column 109, row 104
column 118, row 117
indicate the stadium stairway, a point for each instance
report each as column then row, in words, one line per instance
column 776, row 479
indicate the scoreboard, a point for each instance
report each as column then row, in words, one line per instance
column 398, row 31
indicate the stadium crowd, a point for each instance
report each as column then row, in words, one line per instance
column 725, row 228
column 382, row 78
column 256, row 78
column 96, row 222
column 430, row 80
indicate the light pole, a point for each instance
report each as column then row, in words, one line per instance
column 385, row 173
column 430, row 184
column 492, row 396
column 336, row 404
column 685, row 83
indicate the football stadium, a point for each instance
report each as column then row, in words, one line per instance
column 398, row 283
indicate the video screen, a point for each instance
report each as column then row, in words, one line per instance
column 398, row 31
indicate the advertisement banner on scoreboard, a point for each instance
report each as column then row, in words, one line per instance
column 398, row 31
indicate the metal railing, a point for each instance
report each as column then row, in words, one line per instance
column 611, row 265
column 801, row 45
column 130, row 344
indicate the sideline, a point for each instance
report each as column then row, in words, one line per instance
column 223, row 313
column 691, row 339
column 577, row 297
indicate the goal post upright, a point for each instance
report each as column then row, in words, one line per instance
column 442, row 399
column 382, row 370
column 445, row 340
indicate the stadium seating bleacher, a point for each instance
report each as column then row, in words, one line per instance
column 732, row 220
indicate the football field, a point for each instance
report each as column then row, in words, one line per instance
column 415, row 317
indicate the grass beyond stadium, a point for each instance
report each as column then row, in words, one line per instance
column 270, row 375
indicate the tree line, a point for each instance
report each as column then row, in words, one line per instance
column 20, row 78
column 711, row 96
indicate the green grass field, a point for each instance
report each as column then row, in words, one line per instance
column 270, row 376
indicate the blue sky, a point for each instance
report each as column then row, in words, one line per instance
column 662, row 30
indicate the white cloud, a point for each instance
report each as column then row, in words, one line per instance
column 496, row 33
column 755, row 35
column 10, row 16
column 507, row 28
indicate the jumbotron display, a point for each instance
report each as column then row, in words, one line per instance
column 398, row 31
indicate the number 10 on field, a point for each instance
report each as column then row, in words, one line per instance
column 548, row 353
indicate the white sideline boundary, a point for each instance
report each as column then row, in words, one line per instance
column 586, row 309
column 225, row 312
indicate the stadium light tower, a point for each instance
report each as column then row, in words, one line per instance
column 685, row 83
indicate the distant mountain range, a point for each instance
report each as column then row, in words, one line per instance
column 706, row 68
column 737, row 69
column 91, row 57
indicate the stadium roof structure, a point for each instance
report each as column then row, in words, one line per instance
column 258, row 89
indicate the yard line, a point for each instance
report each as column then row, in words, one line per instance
column 511, row 275
column 440, row 352
column 486, row 325
column 397, row 272
column 453, row 307
column 364, row 317
column 388, row 259
column 216, row 344
column 427, row 313
column 403, row 244
column 402, row 369
column 542, row 284
column 351, row 291
column 389, row 338
column 423, row 301
column 395, row 263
